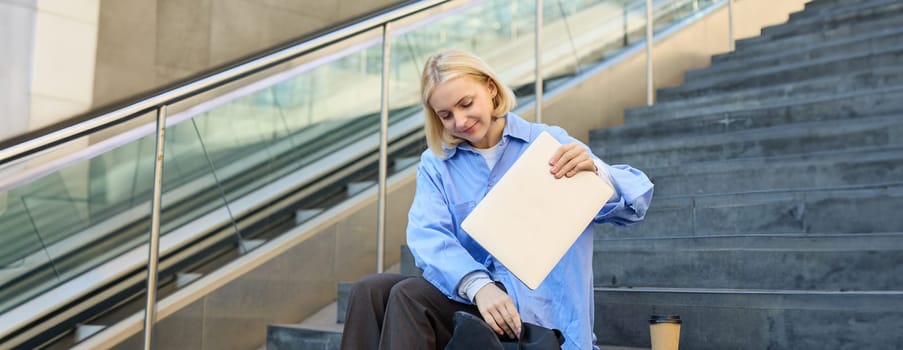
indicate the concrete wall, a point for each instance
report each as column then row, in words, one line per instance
column 17, row 20
column 63, row 63
column 48, row 61
column 145, row 44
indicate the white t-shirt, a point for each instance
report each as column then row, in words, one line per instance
column 490, row 155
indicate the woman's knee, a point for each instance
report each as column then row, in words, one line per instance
column 376, row 284
column 412, row 289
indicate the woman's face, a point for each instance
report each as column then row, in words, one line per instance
column 464, row 106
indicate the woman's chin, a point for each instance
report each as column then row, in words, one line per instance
column 473, row 141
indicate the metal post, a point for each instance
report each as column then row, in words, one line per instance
column 538, row 35
column 730, row 24
column 650, row 89
column 383, row 155
column 512, row 24
column 626, row 39
column 150, row 308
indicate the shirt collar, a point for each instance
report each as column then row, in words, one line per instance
column 515, row 127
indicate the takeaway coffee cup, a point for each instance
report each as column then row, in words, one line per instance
column 665, row 331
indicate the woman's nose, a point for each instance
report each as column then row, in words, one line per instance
column 460, row 120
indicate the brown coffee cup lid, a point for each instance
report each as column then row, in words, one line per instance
column 664, row 319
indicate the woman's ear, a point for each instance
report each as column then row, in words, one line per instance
column 493, row 90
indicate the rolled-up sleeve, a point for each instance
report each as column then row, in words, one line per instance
column 633, row 193
column 431, row 237
column 633, row 190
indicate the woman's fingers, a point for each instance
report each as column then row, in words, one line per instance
column 570, row 159
column 499, row 321
column 578, row 163
column 586, row 164
column 495, row 306
column 490, row 320
column 508, row 318
column 502, row 320
column 558, row 153
column 515, row 321
column 562, row 163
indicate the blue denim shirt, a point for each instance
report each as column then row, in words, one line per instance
column 449, row 188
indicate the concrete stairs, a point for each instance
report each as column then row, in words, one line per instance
column 779, row 183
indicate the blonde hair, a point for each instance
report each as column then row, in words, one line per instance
column 447, row 65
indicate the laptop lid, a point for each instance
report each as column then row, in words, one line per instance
column 530, row 219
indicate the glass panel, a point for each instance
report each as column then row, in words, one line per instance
column 670, row 11
column 578, row 34
column 24, row 261
column 58, row 224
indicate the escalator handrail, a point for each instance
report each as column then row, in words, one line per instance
column 59, row 136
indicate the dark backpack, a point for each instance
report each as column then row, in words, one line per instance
column 471, row 332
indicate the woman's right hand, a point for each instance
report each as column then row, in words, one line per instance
column 498, row 310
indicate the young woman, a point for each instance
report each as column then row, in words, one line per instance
column 473, row 139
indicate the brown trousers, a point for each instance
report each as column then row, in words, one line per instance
column 398, row 312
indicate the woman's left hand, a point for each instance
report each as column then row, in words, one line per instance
column 570, row 159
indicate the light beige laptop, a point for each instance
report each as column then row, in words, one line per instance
column 530, row 219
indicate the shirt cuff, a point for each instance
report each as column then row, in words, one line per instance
column 602, row 169
column 472, row 283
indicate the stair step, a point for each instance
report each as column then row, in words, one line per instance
column 820, row 7
column 860, row 12
column 343, row 290
column 185, row 278
column 813, row 170
column 354, row 188
column 83, row 331
column 408, row 266
column 754, row 319
column 854, row 209
column 319, row 332
column 779, row 140
column 247, row 245
column 801, row 262
column 402, row 163
column 868, row 42
column 830, row 107
column 303, row 215
column 768, row 45
column 290, row 337
column 674, row 102
column 851, row 61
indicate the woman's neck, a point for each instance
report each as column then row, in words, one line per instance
column 494, row 134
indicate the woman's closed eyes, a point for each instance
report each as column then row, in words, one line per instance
column 464, row 103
